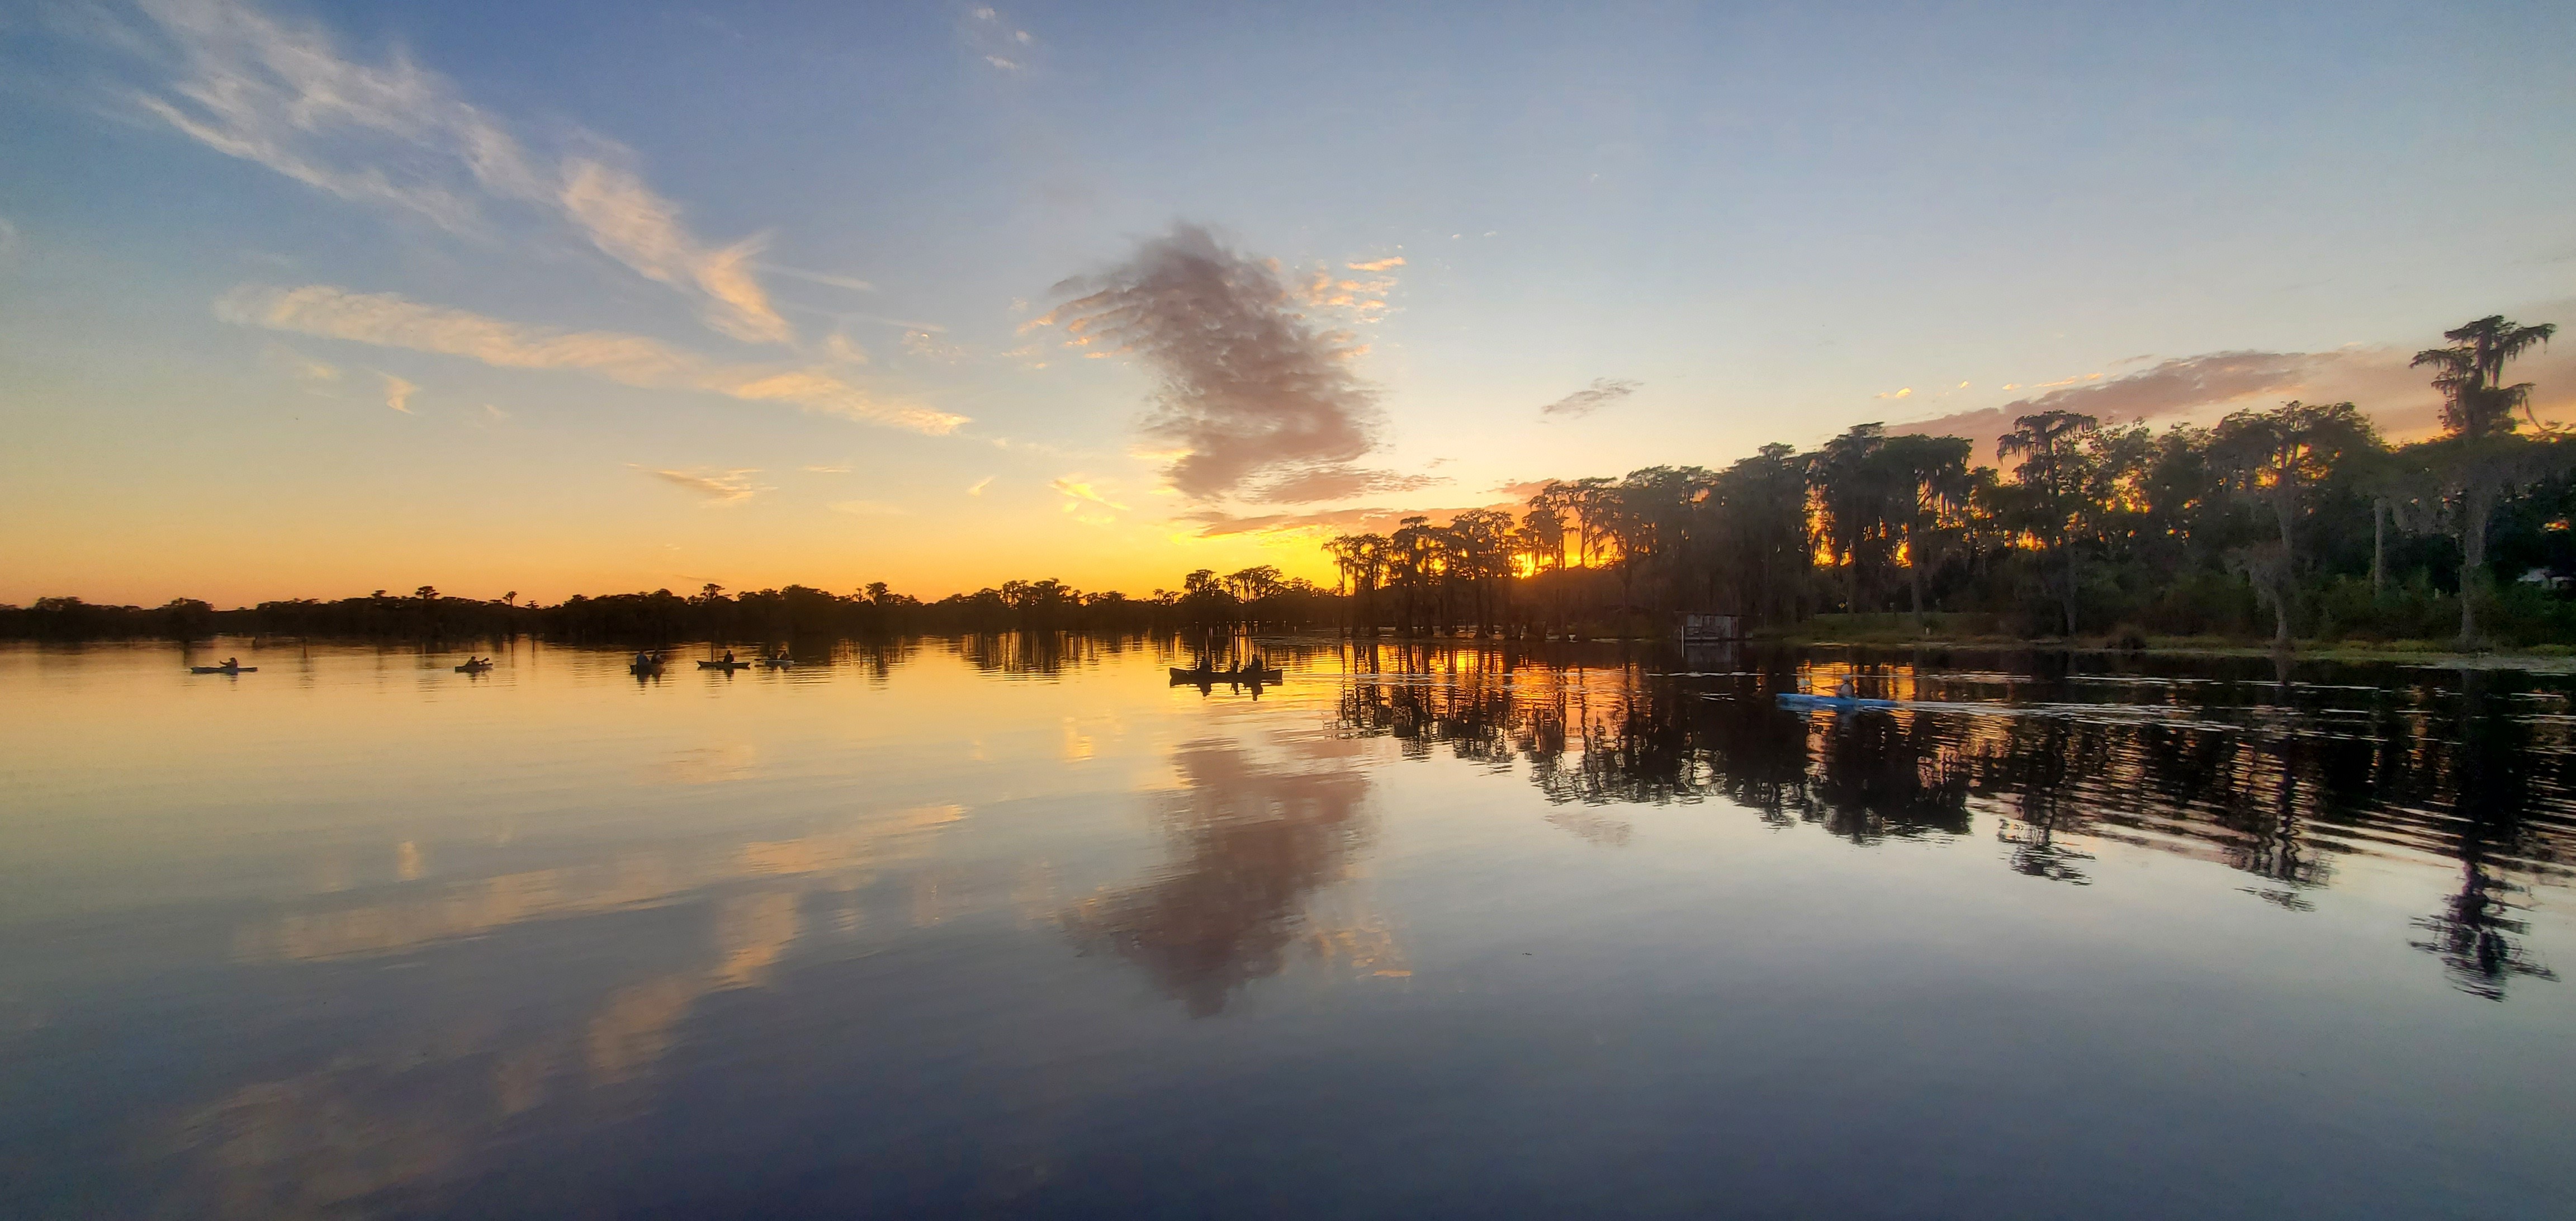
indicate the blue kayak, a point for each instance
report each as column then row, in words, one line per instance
column 1800, row 699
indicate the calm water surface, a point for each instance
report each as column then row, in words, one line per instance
column 1013, row 926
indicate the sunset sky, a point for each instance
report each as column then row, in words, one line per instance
column 308, row 300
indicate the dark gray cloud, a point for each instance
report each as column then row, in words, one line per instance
column 1601, row 393
column 1260, row 400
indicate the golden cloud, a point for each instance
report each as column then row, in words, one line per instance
column 389, row 320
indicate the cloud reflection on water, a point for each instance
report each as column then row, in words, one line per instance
column 1251, row 844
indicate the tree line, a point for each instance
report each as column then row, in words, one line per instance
column 1257, row 597
column 2296, row 520
column 2300, row 519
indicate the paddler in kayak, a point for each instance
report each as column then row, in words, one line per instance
column 1843, row 689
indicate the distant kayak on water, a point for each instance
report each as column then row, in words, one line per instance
column 223, row 669
column 727, row 665
column 474, row 667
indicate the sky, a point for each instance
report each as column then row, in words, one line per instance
column 303, row 299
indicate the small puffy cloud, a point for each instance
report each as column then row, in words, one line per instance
column 991, row 35
column 1384, row 264
column 1907, row 392
column 977, row 488
column 927, row 345
column 720, row 489
column 388, row 320
column 1251, row 391
column 1601, row 393
column 398, row 393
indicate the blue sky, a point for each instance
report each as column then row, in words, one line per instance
column 310, row 299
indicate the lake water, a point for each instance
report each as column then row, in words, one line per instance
column 1015, row 926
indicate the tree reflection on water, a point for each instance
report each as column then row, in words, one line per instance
column 2229, row 761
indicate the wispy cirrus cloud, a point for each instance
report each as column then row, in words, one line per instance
column 1338, row 481
column 1255, row 399
column 1074, row 488
column 720, row 489
column 1601, row 393
column 388, row 320
column 398, row 393
column 852, row 283
column 1214, row 523
column 2377, row 379
column 250, row 85
column 630, row 223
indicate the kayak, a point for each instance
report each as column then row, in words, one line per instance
column 726, row 665
column 474, row 667
column 223, row 669
column 1794, row 699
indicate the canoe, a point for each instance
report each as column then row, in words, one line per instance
column 223, row 669
column 473, row 668
column 1270, row 677
column 726, row 665
column 644, row 667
